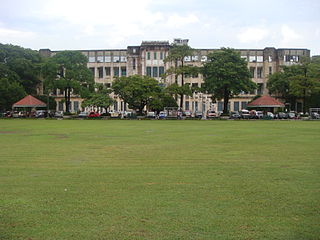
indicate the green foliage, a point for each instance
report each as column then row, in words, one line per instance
column 10, row 92
column 225, row 75
column 161, row 100
column 25, row 63
column 176, row 56
column 99, row 98
column 68, row 72
column 52, row 102
column 297, row 81
column 136, row 90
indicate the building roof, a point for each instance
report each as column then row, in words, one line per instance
column 265, row 101
column 29, row 101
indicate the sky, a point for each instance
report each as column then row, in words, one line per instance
column 116, row 24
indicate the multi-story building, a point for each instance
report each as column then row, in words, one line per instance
column 148, row 59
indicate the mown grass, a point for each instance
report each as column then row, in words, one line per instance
column 159, row 180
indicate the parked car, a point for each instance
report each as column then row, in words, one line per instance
column 259, row 114
column 93, row 115
column 292, row 115
column 212, row 114
column 270, row 115
column 315, row 115
column 245, row 114
column 198, row 114
column 58, row 114
column 187, row 114
column 151, row 115
column 282, row 115
column 41, row 114
column 83, row 115
column 114, row 114
column 163, row 115
column 235, row 115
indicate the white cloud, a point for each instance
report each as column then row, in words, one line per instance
column 289, row 36
column 253, row 34
column 178, row 21
column 15, row 36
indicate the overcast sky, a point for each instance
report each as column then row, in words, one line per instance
column 104, row 24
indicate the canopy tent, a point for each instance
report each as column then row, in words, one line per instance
column 266, row 102
column 29, row 102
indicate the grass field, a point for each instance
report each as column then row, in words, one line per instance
column 76, row 179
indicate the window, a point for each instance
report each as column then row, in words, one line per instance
column 252, row 71
column 236, row 106
column 149, row 71
column 100, row 59
column 116, row 72
column 195, row 85
column 108, row 85
column 123, row 59
column 161, row 71
column 93, row 71
column 195, row 75
column 244, row 105
column 259, row 58
column 259, row 72
column 186, row 105
column 194, row 58
column 148, row 55
column 270, row 70
column 155, row 72
column 100, row 72
column 196, row 106
column 252, row 59
column 115, row 106
column 134, row 64
column 260, row 89
column 92, row 58
column 107, row 58
column 187, row 58
column 245, row 57
column 155, row 55
column 116, row 58
column 204, row 58
column 161, row 55
column 76, row 106
column 220, row 106
column 60, row 106
column 108, row 71
column 289, row 58
column 123, row 71
column 269, row 58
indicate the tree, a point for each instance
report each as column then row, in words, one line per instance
column 99, row 98
column 25, row 63
column 10, row 90
column 226, row 75
column 176, row 56
column 296, row 81
column 138, row 91
column 68, row 72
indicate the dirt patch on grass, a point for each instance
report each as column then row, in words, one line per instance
column 59, row 136
column 8, row 132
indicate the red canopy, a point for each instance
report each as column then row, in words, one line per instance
column 29, row 101
column 266, row 101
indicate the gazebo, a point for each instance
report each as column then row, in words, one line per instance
column 266, row 103
column 29, row 102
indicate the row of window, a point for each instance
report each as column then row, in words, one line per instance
column 107, row 59
column 236, row 106
column 155, row 55
column 258, row 72
column 73, row 107
column 154, row 71
column 106, row 71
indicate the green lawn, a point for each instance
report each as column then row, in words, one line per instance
column 74, row 179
